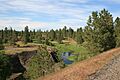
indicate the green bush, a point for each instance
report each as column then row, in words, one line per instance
column 39, row 65
column 4, row 66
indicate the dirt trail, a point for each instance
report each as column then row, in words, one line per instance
column 81, row 70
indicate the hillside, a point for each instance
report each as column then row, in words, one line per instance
column 111, row 71
column 83, row 69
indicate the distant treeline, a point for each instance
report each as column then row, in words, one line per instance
column 100, row 33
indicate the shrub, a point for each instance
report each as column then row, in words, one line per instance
column 39, row 65
column 4, row 66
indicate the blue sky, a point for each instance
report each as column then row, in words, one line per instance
column 52, row 14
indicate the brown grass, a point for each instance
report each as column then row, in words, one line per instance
column 18, row 50
column 80, row 70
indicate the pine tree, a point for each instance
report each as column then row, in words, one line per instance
column 5, row 35
column 22, row 35
column 71, row 31
column 46, row 41
column 59, row 36
column 34, row 33
column 12, row 37
column 39, row 37
column 5, row 66
column 79, row 36
column 52, row 34
column 117, row 31
column 64, row 31
column 1, row 44
column 99, row 32
column 26, row 35
column 30, row 36
column 1, row 34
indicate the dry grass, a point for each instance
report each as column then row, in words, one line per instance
column 80, row 70
column 22, row 47
column 69, row 41
column 18, row 50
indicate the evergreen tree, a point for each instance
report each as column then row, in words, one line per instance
column 59, row 36
column 26, row 35
column 5, row 35
column 46, row 41
column 52, row 34
column 5, row 69
column 64, row 31
column 1, row 34
column 34, row 33
column 12, row 37
column 22, row 35
column 71, row 32
column 1, row 44
column 39, row 37
column 31, row 36
column 79, row 36
column 99, row 32
column 117, row 31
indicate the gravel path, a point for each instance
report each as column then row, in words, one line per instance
column 110, row 71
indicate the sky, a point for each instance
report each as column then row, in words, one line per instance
column 52, row 14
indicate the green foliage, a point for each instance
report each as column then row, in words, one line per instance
column 13, row 37
column 99, row 32
column 52, row 35
column 26, row 35
column 70, row 32
column 79, row 36
column 1, row 44
column 39, row 65
column 59, row 36
column 4, row 66
column 39, row 37
column 64, row 31
column 46, row 41
column 117, row 31
column 81, row 53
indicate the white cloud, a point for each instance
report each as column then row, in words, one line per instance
column 71, row 13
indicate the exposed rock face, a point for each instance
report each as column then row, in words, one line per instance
column 18, row 61
column 16, row 65
column 25, row 56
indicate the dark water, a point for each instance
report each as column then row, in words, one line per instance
column 65, row 56
column 66, row 61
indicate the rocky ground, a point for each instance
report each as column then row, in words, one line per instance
column 111, row 71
